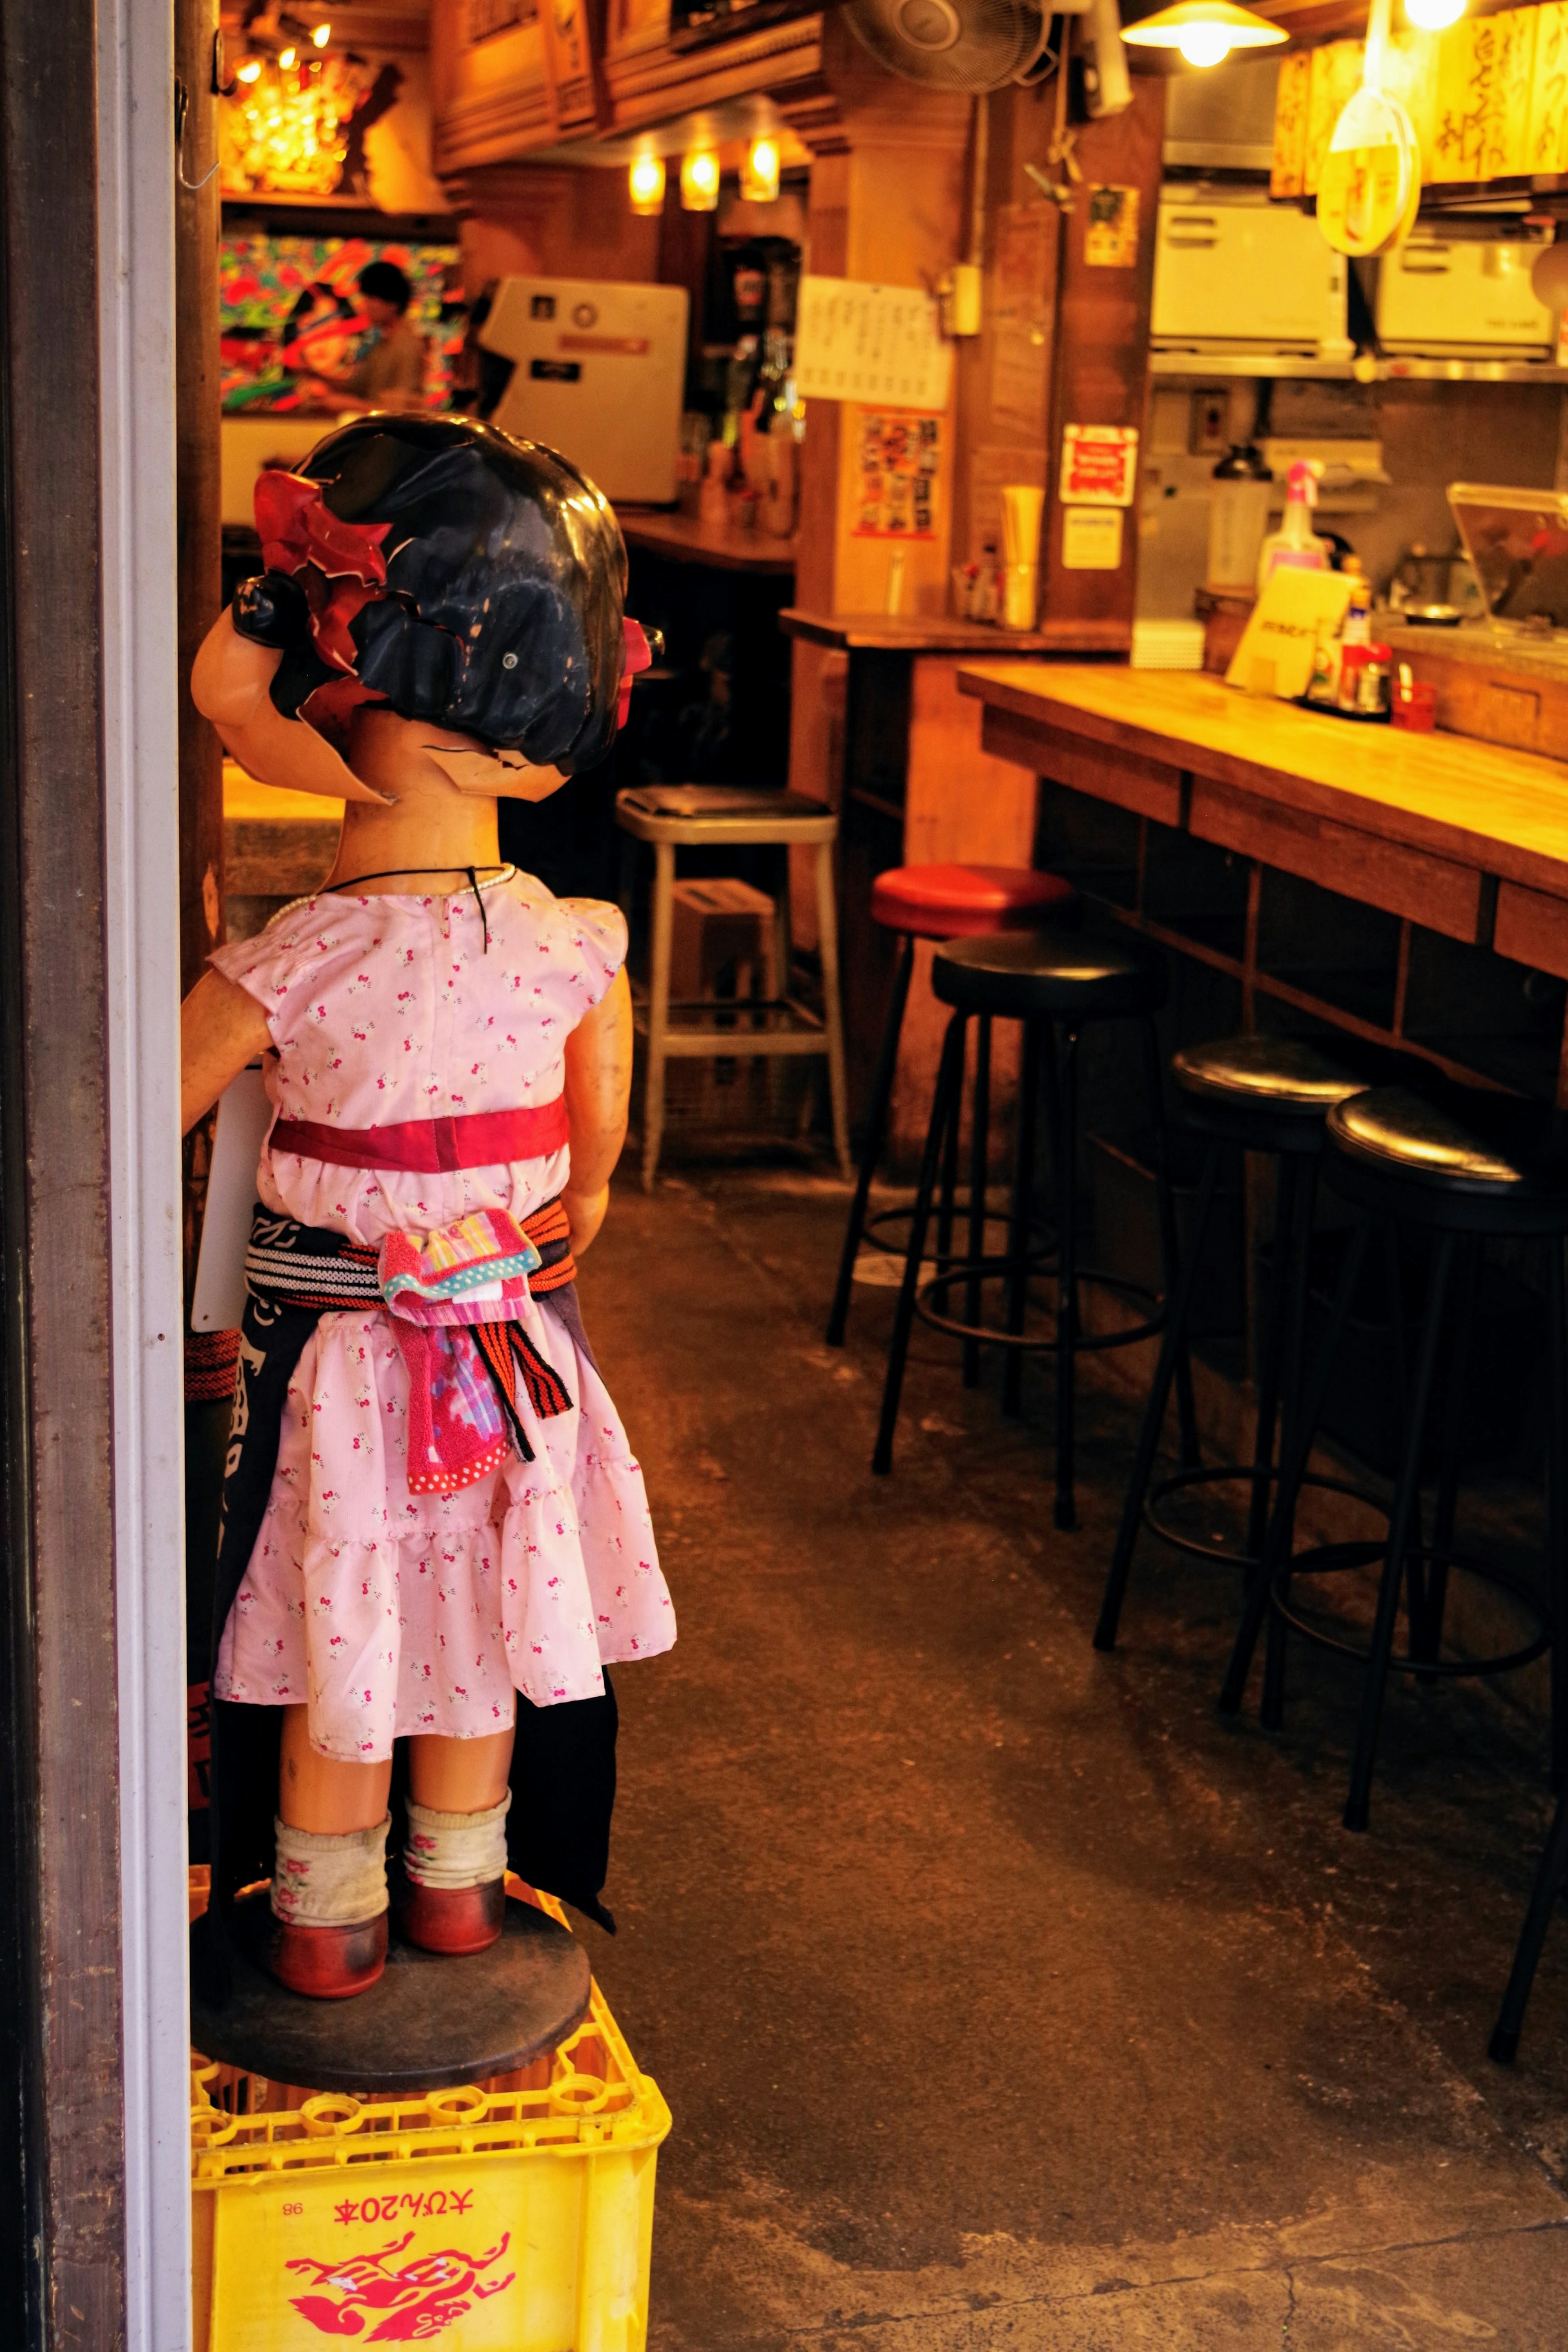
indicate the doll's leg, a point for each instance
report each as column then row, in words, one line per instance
column 329, row 1883
column 455, row 1858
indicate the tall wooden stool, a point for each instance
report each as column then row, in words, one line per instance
column 1254, row 1094
column 1466, row 1166
column 1050, row 983
column 938, row 902
column 710, row 816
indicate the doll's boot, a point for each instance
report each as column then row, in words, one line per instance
column 330, row 1910
column 455, row 1866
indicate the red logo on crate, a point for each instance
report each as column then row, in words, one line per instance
column 410, row 2304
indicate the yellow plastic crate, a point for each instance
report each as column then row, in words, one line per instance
column 513, row 2216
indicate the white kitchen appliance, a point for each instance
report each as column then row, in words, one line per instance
column 1458, row 298
column 599, row 371
column 1245, row 276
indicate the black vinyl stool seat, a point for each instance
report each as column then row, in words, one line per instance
column 1050, row 983
column 1465, row 1167
column 1256, row 1094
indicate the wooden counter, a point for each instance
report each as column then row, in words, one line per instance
column 686, row 539
column 917, row 633
column 1452, row 837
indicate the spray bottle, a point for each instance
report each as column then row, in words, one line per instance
column 1295, row 546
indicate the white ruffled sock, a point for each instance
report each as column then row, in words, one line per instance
column 330, row 1881
column 455, row 1850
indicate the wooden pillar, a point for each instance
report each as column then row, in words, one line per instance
column 198, row 491
column 886, row 206
column 62, row 2157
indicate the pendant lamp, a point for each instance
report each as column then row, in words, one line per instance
column 1205, row 31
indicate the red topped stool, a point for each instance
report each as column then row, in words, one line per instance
column 941, row 902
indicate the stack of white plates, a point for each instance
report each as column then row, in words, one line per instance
column 1167, row 645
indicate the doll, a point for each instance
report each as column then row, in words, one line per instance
column 434, row 1532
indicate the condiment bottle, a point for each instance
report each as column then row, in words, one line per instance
column 1357, row 629
column 1295, row 546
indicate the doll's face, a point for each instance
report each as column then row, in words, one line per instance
column 231, row 683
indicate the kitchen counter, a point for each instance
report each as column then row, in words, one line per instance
column 1464, row 840
column 920, row 633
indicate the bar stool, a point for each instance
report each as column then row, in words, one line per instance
column 938, row 902
column 1256, row 1094
column 1045, row 980
column 1465, row 1167
column 675, row 816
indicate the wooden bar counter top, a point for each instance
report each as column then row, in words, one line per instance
column 1468, row 838
column 1451, row 837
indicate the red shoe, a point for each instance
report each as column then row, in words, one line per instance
column 329, row 1963
column 454, row 1920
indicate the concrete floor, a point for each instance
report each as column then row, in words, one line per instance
column 1005, row 1997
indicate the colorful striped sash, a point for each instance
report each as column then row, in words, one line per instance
column 431, row 1147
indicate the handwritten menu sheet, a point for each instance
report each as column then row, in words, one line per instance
column 870, row 343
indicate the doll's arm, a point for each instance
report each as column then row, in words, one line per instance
column 598, row 1094
column 221, row 1031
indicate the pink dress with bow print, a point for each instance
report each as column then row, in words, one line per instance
column 390, row 1613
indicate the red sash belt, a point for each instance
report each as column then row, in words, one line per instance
column 431, row 1147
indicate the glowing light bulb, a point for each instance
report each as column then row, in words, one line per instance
column 1434, row 16
column 699, row 181
column 250, row 71
column 286, row 57
column 1207, row 45
column 322, row 35
column 759, row 177
column 646, row 179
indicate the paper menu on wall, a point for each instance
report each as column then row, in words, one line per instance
column 880, row 344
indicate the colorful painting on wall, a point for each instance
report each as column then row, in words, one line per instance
column 290, row 307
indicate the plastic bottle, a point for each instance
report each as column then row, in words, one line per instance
column 1237, row 517
column 1357, row 629
column 1295, row 547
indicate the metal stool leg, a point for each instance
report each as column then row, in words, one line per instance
column 1171, row 1343
column 1275, row 1343
column 1403, row 1528
column 1302, row 1424
column 1037, row 1038
column 1549, row 1879
column 979, row 1168
column 1067, row 1282
column 950, row 1181
column 1557, row 1516
column 1296, row 1240
column 1186, row 1410
column 943, row 1107
column 832, row 1007
column 1427, row 1634
column 658, row 1008
column 871, row 1150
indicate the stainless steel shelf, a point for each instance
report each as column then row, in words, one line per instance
column 1216, row 366
column 1210, row 367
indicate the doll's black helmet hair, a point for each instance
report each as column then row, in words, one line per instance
column 501, row 612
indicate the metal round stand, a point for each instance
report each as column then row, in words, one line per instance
column 1335, row 1559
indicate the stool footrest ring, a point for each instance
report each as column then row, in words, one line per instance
column 1327, row 1560
column 992, row 1269
column 1235, row 1474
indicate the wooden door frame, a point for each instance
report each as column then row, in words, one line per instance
column 93, row 1943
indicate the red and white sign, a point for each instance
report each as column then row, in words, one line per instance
column 1099, row 465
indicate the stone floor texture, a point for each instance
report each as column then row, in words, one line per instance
column 1006, row 1997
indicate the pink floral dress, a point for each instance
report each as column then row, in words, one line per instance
column 389, row 1612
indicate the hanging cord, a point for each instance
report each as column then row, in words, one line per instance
column 396, row 872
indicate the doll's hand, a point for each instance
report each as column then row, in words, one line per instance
column 584, row 1216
